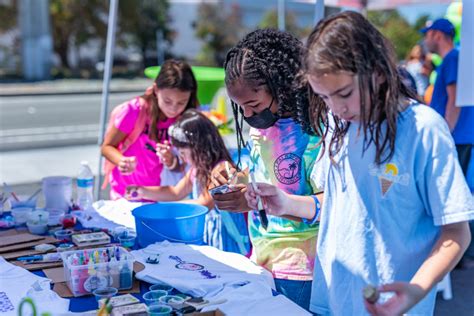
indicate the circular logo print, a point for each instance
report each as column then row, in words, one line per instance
column 287, row 168
column 189, row 266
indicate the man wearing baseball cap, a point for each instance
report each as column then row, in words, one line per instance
column 439, row 39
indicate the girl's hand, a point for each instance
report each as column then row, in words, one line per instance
column 233, row 201
column 275, row 200
column 134, row 193
column 406, row 295
column 127, row 165
column 163, row 151
column 224, row 173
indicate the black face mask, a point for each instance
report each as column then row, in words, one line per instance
column 262, row 120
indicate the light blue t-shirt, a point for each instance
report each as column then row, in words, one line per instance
column 379, row 223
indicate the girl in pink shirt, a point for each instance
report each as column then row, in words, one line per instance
column 140, row 128
column 200, row 145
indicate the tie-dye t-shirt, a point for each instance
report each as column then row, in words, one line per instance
column 283, row 155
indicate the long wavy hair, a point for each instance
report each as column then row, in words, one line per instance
column 269, row 58
column 195, row 131
column 348, row 42
column 174, row 74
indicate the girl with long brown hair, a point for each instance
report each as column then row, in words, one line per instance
column 396, row 205
column 136, row 144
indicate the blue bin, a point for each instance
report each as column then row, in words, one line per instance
column 175, row 222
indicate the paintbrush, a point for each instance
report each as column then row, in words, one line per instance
column 231, row 176
column 261, row 210
column 33, row 195
column 150, row 147
column 9, row 190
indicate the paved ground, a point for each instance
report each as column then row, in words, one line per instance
column 72, row 86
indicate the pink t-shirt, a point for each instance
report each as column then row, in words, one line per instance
column 149, row 166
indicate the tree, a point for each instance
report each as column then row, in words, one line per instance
column 9, row 53
column 270, row 20
column 74, row 22
column 140, row 20
column 393, row 26
column 8, row 15
column 220, row 28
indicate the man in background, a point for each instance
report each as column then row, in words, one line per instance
column 439, row 40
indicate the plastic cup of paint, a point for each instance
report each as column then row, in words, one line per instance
column 21, row 215
column 151, row 297
column 68, row 220
column 105, row 292
column 127, row 241
column 171, row 300
column 162, row 286
column 65, row 247
column 63, row 235
column 119, row 231
column 159, row 310
column 55, row 216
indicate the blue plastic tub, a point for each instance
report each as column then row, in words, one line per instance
column 175, row 222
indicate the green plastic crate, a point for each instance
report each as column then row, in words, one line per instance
column 209, row 80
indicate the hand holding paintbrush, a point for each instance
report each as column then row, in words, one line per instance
column 232, row 177
column 277, row 201
column 261, row 210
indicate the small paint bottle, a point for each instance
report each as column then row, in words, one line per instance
column 125, row 275
column 114, row 272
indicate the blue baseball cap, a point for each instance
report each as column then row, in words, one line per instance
column 442, row 25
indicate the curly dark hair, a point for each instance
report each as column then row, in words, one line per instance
column 195, row 131
column 348, row 42
column 270, row 58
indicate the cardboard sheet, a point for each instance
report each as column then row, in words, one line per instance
column 56, row 275
column 26, row 245
column 37, row 266
column 18, row 239
column 9, row 232
column 22, row 253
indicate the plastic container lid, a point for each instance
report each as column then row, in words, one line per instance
column 38, row 217
column 57, row 180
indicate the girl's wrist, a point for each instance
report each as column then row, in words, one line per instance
column 290, row 201
column 316, row 211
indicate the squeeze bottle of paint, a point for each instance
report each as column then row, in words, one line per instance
column 114, row 272
column 125, row 276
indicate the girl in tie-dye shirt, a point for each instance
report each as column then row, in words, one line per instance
column 260, row 75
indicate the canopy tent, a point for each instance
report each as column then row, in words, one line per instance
column 109, row 59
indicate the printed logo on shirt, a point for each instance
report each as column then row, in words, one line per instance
column 5, row 303
column 189, row 266
column 388, row 174
column 287, row 168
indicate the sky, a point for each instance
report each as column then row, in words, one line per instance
column 412, row 12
